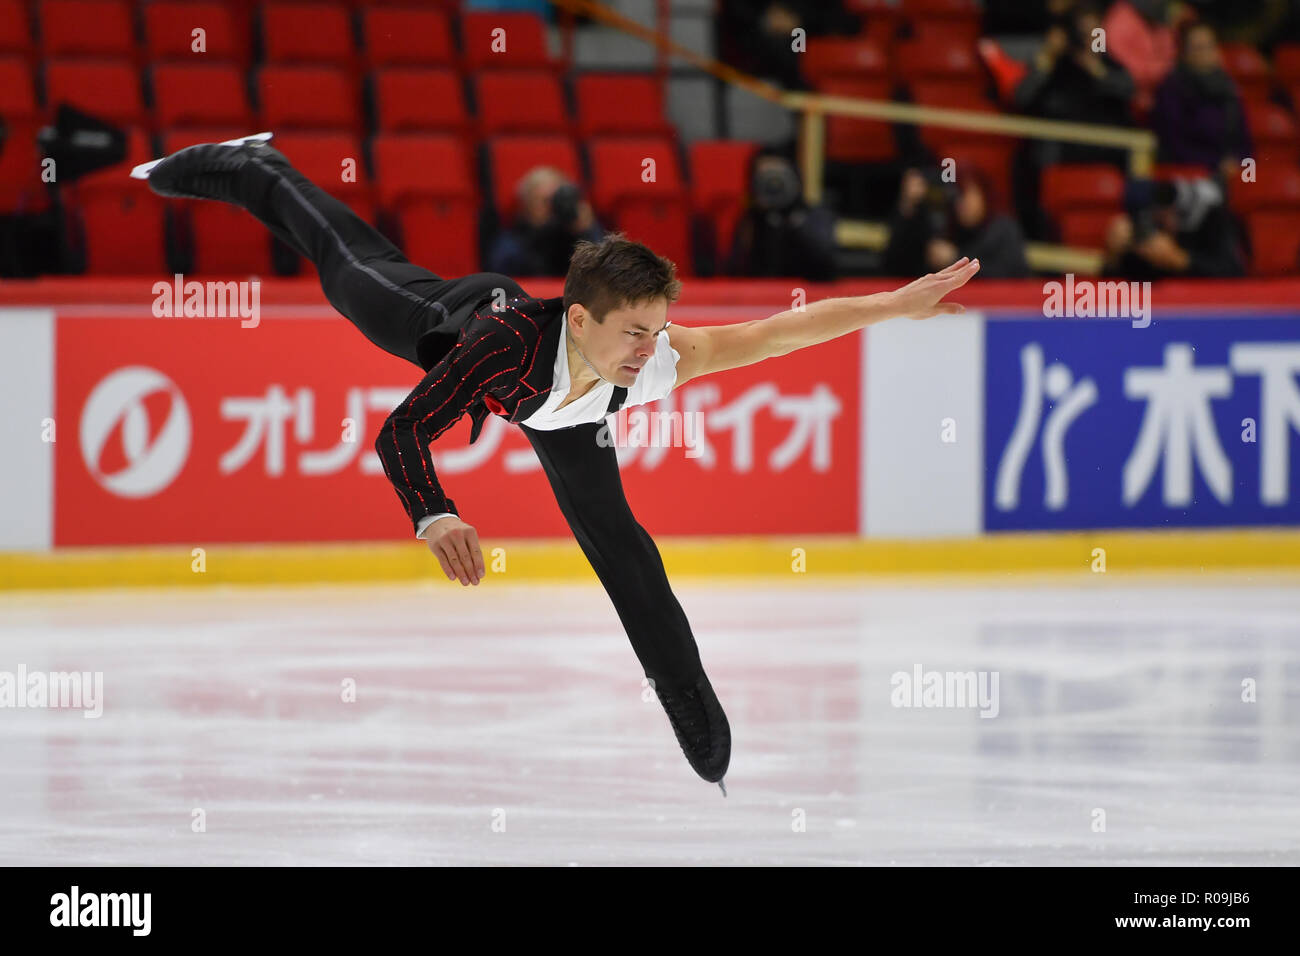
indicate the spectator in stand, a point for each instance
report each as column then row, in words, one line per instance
column 779, row 234
column 1140, row 37
column 1069, row 80
column 1199, row 115
column 757, row 36
column 936, row 224
column 1182, row 230
column 976, row 229
column 552, row 217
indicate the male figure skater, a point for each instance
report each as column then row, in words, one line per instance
column 556, row 367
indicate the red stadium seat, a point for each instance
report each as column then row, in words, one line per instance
column 169, row 32
column 844, row 57
column 1249, row 69
column 655, row 211
column 21, row 189
column 1276, row 186
column 1275, row 243
column 881, row 19
column 962, row 33
column 1286, row 64
column 224, row 239
column 1273, row 130
column 86, row 28
column 410, row 99
column 621, row 103
column 401, row 36
column 944, row 21
column 719, row 185
column 428, row 187
column 414, row 165
column 853, row 140
column 950, row 94
column 308, row 97
column 505, row 41
column 121, row 220
column 521, row 101
column 15, row 30
column 1071, row 186
column 200, row 94
column 1083, row 199
column 109, row 89
column 959, row 95
column 510, row 157
column 17, row 90
column 325, row 157
column 307, row 32
column 939, row 60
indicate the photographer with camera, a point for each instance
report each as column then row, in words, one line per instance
column 552, row 218
column 779, row 234
column 1179, row 228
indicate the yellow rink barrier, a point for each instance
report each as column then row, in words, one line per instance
column 729, row 557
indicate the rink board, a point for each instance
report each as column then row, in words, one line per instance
column 181, row 434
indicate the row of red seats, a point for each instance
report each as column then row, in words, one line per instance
column 293, row 97
column 425, row 194
column 303, row 97
column 292, row 32
column 406, row 98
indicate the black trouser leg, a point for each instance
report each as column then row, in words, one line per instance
column 589, row 489
column 367, row 278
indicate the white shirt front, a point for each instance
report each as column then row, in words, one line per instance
column 655, row 380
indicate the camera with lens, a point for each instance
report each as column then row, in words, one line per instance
column 564, row 204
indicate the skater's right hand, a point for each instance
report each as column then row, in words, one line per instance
column 455, row 545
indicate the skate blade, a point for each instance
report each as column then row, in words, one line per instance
column 142, row 171
column 723, row 785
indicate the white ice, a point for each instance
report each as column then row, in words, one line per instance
column 508, row 724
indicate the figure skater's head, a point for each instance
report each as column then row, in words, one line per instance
column 616, row 299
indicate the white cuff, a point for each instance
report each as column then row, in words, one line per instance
column 422, row 525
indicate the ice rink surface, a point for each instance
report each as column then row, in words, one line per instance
column 508, row 724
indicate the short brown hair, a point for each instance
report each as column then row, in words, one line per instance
column 617, row 272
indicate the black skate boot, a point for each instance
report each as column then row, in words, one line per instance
column 701, row 728
column 205, row 171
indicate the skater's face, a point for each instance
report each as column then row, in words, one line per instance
column 620, row 346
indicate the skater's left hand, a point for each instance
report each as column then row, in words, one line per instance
column 922, row 299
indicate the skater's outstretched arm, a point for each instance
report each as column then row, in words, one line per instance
column 479, row 362
column 719, row 347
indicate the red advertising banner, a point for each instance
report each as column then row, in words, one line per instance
column 190, row 430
